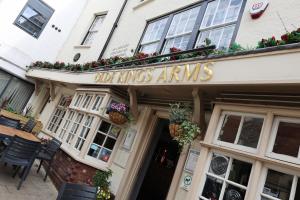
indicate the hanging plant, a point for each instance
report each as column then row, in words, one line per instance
column 118, row 113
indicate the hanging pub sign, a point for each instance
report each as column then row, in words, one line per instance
column 258, row 8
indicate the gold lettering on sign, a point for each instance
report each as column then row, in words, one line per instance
column 149, row 75
column 163, row 75
column 131, row 76
column 194, row 74
column 207, row 71
column 174, row 73
column 140, row 76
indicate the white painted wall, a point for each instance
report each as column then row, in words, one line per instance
column 90, row 53
column 18, row 49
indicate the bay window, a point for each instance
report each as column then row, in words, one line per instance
column 84, row 132
column 216, row 20
column 104, row 141
column 280, row 186
column 66, row 124
column 285, row 139
column 226, row 178
column 239, row 130
column 72, row 132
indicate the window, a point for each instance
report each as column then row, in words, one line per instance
column 97, row 103
column 74, row 128
column 58, row 114
column 34, row 17
column 280, row 186
column 87, row 101
column 95, row 27
column 104, row 141
column 241, row 129
column 181, row 29
column 66, row 125
column 78, row 100
column 285, row 140
column 188, row 29
column 219, row 22
column 226, row 178
column 84, row 132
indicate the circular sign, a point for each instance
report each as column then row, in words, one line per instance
column 76, row 57
column 233, row 195
column 187, row 180
column 258, row 7
column 219, row 165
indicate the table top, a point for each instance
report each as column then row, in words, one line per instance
column 9, row 131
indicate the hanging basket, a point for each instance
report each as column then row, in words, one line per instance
column 117, row 118
column 175, row 130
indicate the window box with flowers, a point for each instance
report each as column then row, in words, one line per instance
column 118, row 113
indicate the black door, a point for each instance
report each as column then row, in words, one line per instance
column 158, row 168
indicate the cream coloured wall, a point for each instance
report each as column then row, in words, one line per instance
column 89, row 53
column 269, row 24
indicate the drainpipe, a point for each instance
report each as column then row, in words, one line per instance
column 113, row 29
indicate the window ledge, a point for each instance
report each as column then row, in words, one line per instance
column 141, row 3
column 82, row 46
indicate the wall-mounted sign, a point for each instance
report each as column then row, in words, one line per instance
column 258, row 8
column 186, row 181
column 186, row 73
column 191, row 161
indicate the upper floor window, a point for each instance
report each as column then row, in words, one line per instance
column 34, row 17
column 180, row 29
column 240, row 130
column 285, row 139
column 94, row 28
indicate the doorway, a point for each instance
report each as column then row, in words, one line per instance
column 157, row 170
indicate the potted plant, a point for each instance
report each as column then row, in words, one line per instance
column 100, row 180
column 181, row 128
column 118, row 113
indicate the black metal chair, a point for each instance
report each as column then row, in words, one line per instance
column 72, row 191
column 47, row 153
column 9, row 122
column 30, row 124
column 20, row 153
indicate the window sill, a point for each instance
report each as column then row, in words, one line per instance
column 82, row 47
column 141, row 3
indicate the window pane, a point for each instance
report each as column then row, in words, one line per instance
column 229, row 128
column 233, row 10
column 180, row 42
column 104, row 127
column 233, row 193
column 209, row 14
column 87, row 101
column 287, row 139
column 104, row 155
column 97, row 103
column 297, row 194
column 114, row 131
column 94, row 150
column 109, row 143
column 250, row 132
column 34, row 16
column 99, row 139
column 27, row 25
column 278, row 185
column 97, row 23
column 149, row 48
column 218, row 165
column 154, row 31
column 221, row 12
column 240, row 172
column 212, row 188
column 183, row 22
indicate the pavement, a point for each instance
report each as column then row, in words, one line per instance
column 33, row 188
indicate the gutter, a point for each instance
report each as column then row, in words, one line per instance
column 113, row 29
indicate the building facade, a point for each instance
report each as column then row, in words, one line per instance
column 246, row 102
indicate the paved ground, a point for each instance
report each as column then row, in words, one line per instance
column 33, row 188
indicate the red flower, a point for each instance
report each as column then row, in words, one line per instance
column 273, row 38
column 284, row 37
column 174, row 50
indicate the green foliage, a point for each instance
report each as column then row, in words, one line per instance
column 179, row 112
column 235, row 47
column 190, row 131
column 100, row 180
column 270, row 42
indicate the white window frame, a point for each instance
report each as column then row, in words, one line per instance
column 87, row 106
column 225, row 179
column 59, row 118
column 72, row 133
column 76, row 99
column 235, row 145
column 96, row 104
column 296, row 178
column 93, row 29
column 69, row 117
column 270, row 152
column 97, row 159
column 86, row 130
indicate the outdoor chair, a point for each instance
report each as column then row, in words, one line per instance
column 72, row 191
column 30, row 124
column 47, row 153
column 20, row 153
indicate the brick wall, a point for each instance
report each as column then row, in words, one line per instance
column 66, row 169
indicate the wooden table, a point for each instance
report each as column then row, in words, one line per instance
column 6, row 131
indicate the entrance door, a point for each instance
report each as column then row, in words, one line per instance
column 159, row 165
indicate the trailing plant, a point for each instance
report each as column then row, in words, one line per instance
column 120, row 108
column 100, row 180
column 190, row 131
column 179, row 112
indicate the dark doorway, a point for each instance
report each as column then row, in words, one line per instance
column 158, row 168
